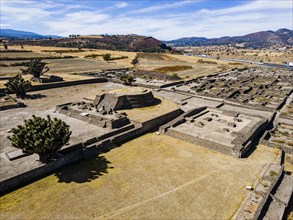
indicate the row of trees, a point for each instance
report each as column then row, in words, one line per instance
column 37, row 135
column 18, row 85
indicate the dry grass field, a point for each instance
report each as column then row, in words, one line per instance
column 261, row 55
column 147, row 61
column 85, row 52
column 198, row 69
column 151, row 177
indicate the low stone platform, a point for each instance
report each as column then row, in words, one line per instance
column 224, row 131
column 86, row 111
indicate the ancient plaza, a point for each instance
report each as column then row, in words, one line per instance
column 229, row 113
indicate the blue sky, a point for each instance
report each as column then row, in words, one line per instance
column 163, row 19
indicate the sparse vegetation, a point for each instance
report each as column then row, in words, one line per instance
column 279, row 141
column 118, row 58
column 206, row 61
column 63, row 51
column 168, row 69
column 18, row 85
column 92, row 56
column 13, row 64
column 29, row 58
column 272, row 173
column 41, row 136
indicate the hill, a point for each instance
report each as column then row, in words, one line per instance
column 262, row 39
column 107, row 42
column 10, row 33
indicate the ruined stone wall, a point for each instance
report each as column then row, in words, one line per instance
column 94, row 119
column 146, row 126
column 39, row 172
column 64, row 84
column 264, row 196
column 198, row 141
column 243, row 142
column 181, row 119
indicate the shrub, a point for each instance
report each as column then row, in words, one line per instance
column 206, row 61
column 36, row 68
column 18, row 64
column 174, row 75
column 107, row 57
column 92, row 56
column 272, row 173
column 41, row 136
column 18, row 85
column 127, row 79
column 135, row 60
column 119, row 58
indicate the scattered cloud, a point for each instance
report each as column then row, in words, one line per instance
column 163, row 20
column 159, row 7
column 121, row 5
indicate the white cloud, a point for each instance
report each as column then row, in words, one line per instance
column 121, row 5
column 4, row 25
column 162, row 6
column 63, row 19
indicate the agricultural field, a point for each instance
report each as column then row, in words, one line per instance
column 267, row 56
column 180, row 180
column 84, row 53
column 87, row 60
column 193, row 66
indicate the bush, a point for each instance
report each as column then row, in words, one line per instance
column 41, row 136
column 92, row 56
column 174, row 75
column 135, row 60
column 18, row 85
column 127, row 79
column 107, row 57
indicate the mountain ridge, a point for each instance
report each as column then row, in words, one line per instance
column 259, row 39
column 11, row 33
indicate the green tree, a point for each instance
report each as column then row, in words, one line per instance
column 41, row 136
column 18, row 85
column 107, row 57
column 134, row 61
column 127, row 79
column 36, row 68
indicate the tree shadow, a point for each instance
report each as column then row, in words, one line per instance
column 34, row 96
column 83, row 170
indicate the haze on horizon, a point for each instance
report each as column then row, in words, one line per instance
column 164, row 20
